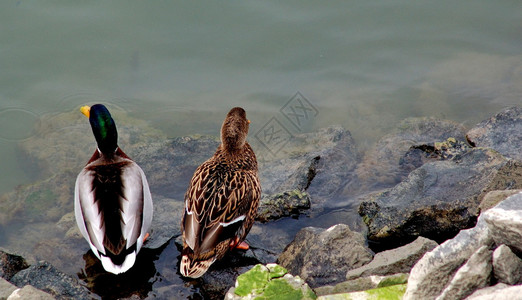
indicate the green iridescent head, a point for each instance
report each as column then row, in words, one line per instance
column 103, row 127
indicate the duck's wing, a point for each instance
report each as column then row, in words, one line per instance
column 217, row 204
column 109, row 206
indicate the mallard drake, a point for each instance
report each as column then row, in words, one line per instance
column 221, row 200
column 112, row 200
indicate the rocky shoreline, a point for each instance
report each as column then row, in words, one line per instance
column 436, row 202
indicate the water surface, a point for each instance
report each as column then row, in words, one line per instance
column 181, row 66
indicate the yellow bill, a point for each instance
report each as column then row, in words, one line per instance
column 85, row 110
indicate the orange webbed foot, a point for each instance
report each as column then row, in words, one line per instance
column 239, row 245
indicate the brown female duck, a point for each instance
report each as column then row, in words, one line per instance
column 221, row 200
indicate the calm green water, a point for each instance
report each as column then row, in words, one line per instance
column 181, row 66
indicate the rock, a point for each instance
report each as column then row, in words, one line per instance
column 46, row 200
column 47, row 278
column 495, row 197
column 170, row 164
column 505, row 222
column 389, row 161
column 502, row 132
column 474, row 274
column 276, row 206
column 507, row 267
column 10, row 264
column 269, row 282
column 362, row 284
column 394, row 292
column 29, row 292
column 322, row 256
column 166, row 222
column 6, row 288
column 498, row 291
column 439, row 198
column 434, row 270
column 399, row 260
column 319, row 163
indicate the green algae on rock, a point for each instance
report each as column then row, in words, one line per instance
column 269, row 282
column 393, row 292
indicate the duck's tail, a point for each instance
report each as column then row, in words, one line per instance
column 194, row 268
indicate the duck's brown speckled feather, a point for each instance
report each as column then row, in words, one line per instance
column 220, row 206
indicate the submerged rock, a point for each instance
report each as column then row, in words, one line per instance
column 440, row 198
column 502, row 132
column 269, row 282
column 390, row 160
column 319, row 163
column 323, row 256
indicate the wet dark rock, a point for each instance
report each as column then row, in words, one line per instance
column 323, row 256
column 398, row 260
column 395, row 156
column 47, row 278
column 276, row 206
column 438, row 199
column 502, row 132
column 10, row 264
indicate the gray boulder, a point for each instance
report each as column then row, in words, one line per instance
column 323, row 256
column 47, row 278
column 439, row 198
column 474, row 274
column 507, row 267
column 399, row 260
column 502, row 132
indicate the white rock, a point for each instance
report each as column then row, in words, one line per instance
column 507, row 267
column 474, row 274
